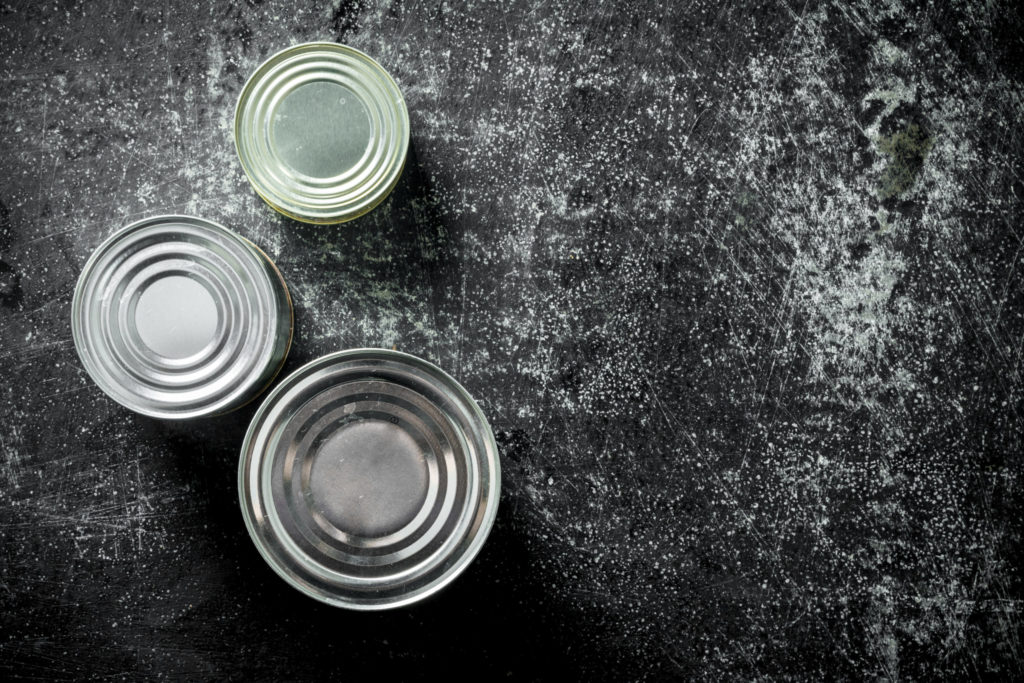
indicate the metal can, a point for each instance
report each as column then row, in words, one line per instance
column 178, row 317
column 322, row 132
column 369, row 479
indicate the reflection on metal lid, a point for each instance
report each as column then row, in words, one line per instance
column 177, row 317
column 369, row 479
column 322, row 131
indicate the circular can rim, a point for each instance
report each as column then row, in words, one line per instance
column 493, row 482
column 384, row 190
column 247, row 397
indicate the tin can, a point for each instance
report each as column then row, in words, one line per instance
column 369, row 479
column 178, row 317
column 322, row 132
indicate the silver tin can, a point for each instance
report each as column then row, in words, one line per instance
column 178, row 317
column 322, row 131
column 369, row 479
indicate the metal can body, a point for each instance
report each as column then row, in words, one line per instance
column 322, row 132
column 369, row 479
column 178, row 317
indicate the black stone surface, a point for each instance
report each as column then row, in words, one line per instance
column 739, row 286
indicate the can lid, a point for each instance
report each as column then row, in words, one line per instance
column 322, row 131
column 369, row 479
column 177, row 317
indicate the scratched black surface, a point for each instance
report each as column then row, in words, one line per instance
column 738, row 285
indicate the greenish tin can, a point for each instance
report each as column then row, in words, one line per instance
column 322, row 132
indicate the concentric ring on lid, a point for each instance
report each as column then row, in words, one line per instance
column 369, row 479
column 322, row 131
column 177, row 317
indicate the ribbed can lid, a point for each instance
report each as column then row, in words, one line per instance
column 369, row 479
column 322, row 131
column 178, row 317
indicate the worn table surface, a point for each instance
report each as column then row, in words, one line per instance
column 739, row 286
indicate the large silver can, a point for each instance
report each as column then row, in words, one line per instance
column 369, row 479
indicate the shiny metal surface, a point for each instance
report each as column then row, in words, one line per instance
column 322, row 131
column 369, row 479
column 177, row 317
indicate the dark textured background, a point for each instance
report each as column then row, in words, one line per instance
column 739, row 286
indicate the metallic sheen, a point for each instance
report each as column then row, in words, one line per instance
column 178, row 317
column 322, row 131
column 369, row 479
